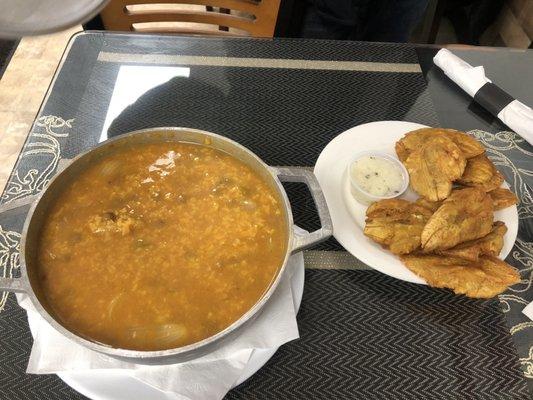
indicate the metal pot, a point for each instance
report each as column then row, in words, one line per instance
column 29, row 282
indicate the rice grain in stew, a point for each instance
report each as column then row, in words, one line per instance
column 160, row 245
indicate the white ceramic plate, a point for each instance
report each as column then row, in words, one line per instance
column 349, row 216
column 120, row 385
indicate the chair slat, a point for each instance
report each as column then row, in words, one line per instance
column 200, row 17
column 116, row 16
column 189, row 31
column 240, row 5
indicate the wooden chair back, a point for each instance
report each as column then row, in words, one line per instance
column 226, row 17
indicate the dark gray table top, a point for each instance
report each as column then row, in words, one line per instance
column 362, row 334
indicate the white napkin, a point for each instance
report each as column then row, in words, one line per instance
column 528, row 311
column 516, row 115
column 208, row 377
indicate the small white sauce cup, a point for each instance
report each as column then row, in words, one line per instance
column 366, row 198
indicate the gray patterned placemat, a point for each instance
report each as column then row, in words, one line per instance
column 364, row 335
column 512, row 156
column 352, row 321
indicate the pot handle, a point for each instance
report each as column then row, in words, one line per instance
column 18, row 203
column 304, row 175
column 14, row 285
column 30, row 199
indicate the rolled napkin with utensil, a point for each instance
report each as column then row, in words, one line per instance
column 472, row 80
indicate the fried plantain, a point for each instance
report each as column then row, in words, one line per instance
column 413, row 140
column 481, row 172
column 430, row 205
column 489, row 245
column 396, row 224
column 485, row 278
column 434, row 166
column 502, row 198
column 466, row 215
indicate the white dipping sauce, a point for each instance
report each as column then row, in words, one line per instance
column 377, row 176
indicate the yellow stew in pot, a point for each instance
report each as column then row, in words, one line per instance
column 157, row 246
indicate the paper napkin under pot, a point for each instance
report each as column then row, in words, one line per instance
column 208, row 377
